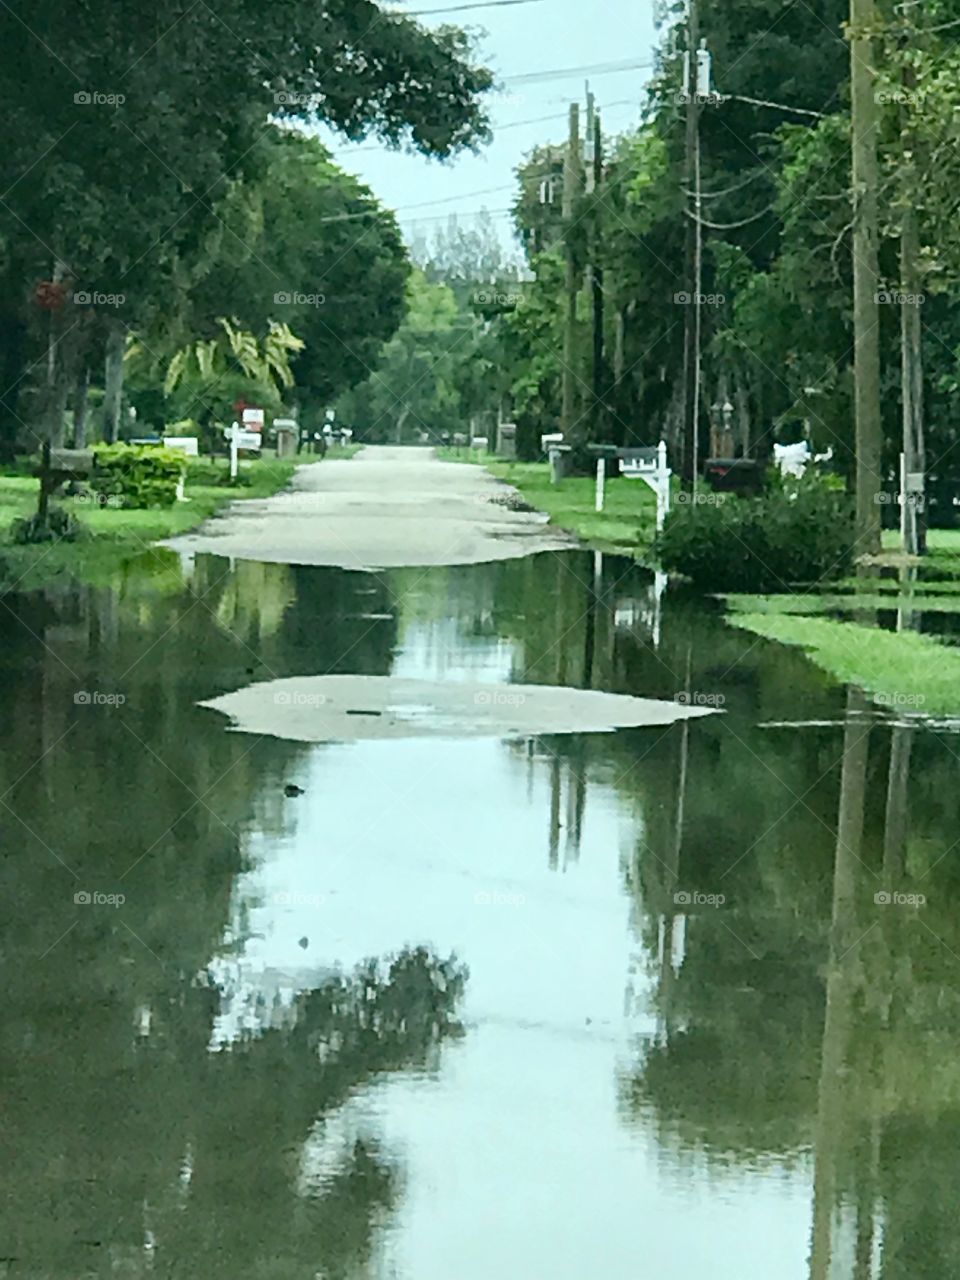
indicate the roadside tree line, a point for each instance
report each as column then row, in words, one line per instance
column 778, row 213
column 167, row 217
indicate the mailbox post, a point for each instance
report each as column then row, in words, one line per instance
column 650, row 465
column 240, row 439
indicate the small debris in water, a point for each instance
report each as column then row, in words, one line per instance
column 291, row 789
column 304, row 942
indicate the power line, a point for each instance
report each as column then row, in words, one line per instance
column 461, row 8
column 423, row 204
column 497, row 128
column 737, row 186
column 729, row 226
column 598, row 69
column 457, row 213
column 779, row 106
column 515, row 124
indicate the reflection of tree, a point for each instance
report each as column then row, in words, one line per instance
column 126, row 1140
column 258, row 1104
column 200, row 1156
column 804, row 1011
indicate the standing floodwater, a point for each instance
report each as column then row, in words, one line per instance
column 605, row 1005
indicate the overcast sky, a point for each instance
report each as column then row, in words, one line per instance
column 540, row 36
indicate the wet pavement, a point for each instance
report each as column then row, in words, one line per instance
column 677, row 1000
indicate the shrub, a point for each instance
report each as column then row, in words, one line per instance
column 799, row 532
column 138, row 475
column 59, row 526
column 185, row 427
column 216, row 471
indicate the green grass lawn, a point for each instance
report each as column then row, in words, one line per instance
column 114, row 536
column 812, row 603
column 626, row 525
column 903, row 671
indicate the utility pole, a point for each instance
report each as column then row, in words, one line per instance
column 693, row 256
column 593, row 160
column 912, row 485
column 866, row 330
column 571, row 188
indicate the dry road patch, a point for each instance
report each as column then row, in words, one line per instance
column 387, row 508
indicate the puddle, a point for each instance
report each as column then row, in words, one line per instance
column 515, row 993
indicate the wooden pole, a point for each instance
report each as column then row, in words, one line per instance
column 693, row 252
column 599, row 371
column 866, row 319
column 911, row 338
column 571, row 188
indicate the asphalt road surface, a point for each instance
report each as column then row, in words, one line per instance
column 384, row 508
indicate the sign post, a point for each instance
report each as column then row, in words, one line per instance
column 240, row 439
column 601, row 477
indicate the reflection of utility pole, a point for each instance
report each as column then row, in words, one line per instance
column 846, row 934
column 898, row 776
column 672, row 920
column 571, row 189
column 553, row 857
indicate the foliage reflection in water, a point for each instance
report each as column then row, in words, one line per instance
column 710, row 1022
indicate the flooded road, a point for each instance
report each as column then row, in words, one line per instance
column 678, row 1000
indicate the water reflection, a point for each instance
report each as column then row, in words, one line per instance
column 692, row 1039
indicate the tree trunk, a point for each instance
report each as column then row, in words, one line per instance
column 113, row 382
column 742, row 399
column 56, row 411
column 55, row 398
column 911, row 351
column 404, row 414
column 12, row 365
column 80, row 410
column 866, row 362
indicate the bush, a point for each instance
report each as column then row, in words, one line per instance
column 216, row 471
column 138, row 475
column 185, row 427
column 800, row 532
column 59, row 526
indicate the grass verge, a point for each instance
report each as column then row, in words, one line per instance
column 625, row 526
column 811, row 603
column 902, row 670
column 113, row 537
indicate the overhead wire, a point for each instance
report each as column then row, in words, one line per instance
column 462, row 8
